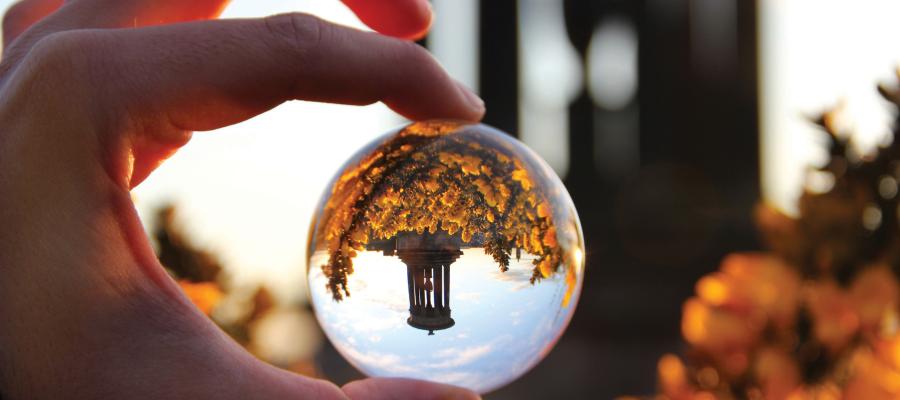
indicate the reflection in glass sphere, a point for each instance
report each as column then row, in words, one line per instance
column 448, row 252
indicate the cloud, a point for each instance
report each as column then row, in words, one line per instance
column 468, row 296
column 369, row 324
column 453, row 357
column 512, row 275
column 389, row 363
column 465, row 379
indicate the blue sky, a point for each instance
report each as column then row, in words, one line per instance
column 503, row 324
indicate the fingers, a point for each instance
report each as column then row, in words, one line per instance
column 211, row 74
column 151, row 86
column 406, row 19
column 399, row 388
column 88, row 14
column 24, row 14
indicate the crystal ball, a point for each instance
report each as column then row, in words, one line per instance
column 447, row 252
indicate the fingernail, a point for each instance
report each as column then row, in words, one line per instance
column 474, row 101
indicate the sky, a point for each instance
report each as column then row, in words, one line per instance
column 817, row 54
column 503, row 324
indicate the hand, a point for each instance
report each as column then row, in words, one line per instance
column 92, row 99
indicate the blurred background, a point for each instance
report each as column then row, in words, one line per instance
column 668, row 120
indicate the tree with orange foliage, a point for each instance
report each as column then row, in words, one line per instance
column 818, row 317
column 439, row 176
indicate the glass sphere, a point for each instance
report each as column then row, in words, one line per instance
column 448, row 252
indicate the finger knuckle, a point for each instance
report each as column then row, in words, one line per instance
column 295, row 33
column 60, row 53
column 71, row 61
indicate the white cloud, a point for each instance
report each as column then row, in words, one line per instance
column 465, row 379
column 452, row 357
column 468, row 296
column 387, row 363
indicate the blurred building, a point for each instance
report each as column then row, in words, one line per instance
column 661, row 160
column 648, row 110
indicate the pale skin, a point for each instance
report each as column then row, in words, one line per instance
column 94, row 95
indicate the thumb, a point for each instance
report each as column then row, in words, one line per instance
column 405, row 19
column 401, row 388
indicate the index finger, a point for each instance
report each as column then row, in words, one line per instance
column 206, row 75
column 405, row 19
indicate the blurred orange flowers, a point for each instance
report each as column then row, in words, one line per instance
column 817, row 317
column 745, row 330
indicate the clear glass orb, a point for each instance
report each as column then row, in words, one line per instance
column 448, row 252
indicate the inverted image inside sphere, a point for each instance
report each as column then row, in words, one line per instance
column 447, row 252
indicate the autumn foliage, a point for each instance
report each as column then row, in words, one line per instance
column 439, row 176
column 817, row 317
